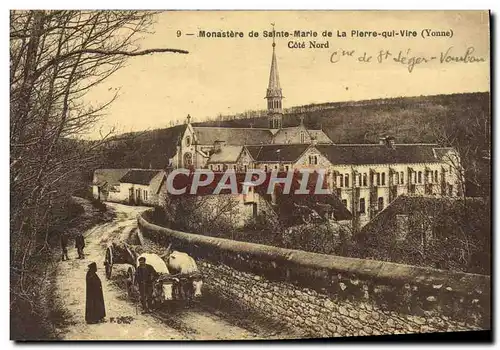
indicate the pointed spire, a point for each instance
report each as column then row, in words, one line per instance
column 274, row 88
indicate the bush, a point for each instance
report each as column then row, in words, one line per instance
column 96, row 203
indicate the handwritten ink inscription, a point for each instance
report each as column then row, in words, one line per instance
column 407, row 58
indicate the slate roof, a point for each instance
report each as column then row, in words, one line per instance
column 269, row 153
column 108, row 177
column 441, row 153
column 379, row 154
column 207, row 135
column 406, row 205
column 227, row 154
column 140, row 176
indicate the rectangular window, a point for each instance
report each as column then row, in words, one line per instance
column 362, row 208
column 396, row 179
column 341, row 180
column 346, row 180
column 402, row 178
column 383, row 179
column 436, row 176
column 364, row 179
column 419, row 177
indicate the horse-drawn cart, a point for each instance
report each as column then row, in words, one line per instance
column 165, row 287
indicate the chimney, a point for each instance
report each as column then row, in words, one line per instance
column 218, row 145
column 314, row 140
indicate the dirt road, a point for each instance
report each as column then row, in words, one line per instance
column 197, row 323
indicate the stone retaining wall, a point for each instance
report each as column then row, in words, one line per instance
column 323, row 295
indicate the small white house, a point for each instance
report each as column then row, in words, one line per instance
column 106, row 184
column 129, row 186
column 141, row 186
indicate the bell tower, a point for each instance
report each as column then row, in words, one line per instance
column 274, row 95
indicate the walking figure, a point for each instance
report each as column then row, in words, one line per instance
column 64, row 246
column 79, row 245
column 145, row 275
column 94, row 306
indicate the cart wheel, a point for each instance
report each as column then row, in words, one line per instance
column 130, row 280
column 108, row 262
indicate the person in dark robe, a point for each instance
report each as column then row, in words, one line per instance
column 64, row 246
column 94, row 306
column 79, row 245
column 145, row 275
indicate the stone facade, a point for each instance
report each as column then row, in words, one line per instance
column 317, row 314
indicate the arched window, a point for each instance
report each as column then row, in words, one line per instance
column 383, row 179
column 419, row 177
column 346, row 180
column 265, row 168
column 188, row 159
column 402, row 178
column 364, row 179
column 362, row 206
column 436, row 176
column 396, row 180
column 302, row 137
column 188, row 141
column 341, row 182
column 380, row 203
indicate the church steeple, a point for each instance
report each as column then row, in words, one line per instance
column 274, row 94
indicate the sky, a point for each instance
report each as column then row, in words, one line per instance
column 230, row 75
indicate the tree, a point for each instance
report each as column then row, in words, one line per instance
column 472, row 142
column 56, row 57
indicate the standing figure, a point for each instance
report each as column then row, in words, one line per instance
column 145, row 275
column 64, row 246
column 94, row 306
column 79, row 245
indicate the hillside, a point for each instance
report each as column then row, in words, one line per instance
column 459, row 120
column 409, row 119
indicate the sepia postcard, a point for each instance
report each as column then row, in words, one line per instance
column 250, row 175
